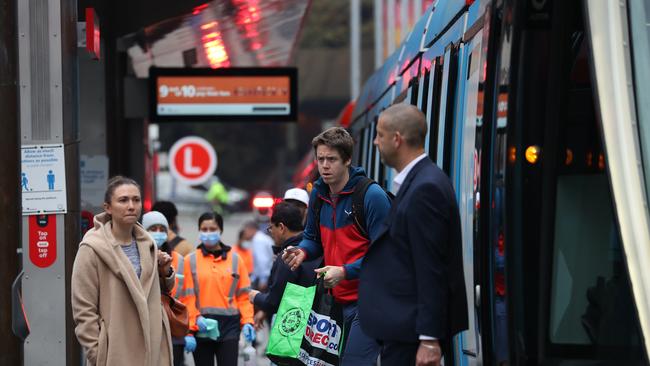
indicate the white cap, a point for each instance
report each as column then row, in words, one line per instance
column 154, row 218
column 298, row 195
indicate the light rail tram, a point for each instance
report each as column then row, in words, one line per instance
column 539, row 112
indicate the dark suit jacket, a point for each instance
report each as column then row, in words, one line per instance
column 411, row 280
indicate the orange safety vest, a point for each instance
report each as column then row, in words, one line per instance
column 216, row 287
column 247, row 256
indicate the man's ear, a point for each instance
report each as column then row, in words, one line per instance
column 397, row 139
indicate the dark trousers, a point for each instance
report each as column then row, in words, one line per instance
column 398, row 354
column 360, row 349
column 226, row 351
column 179, row 357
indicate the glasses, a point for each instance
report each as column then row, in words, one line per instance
column 268, row 228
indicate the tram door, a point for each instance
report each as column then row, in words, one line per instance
column 464, row 171
column 571, row 299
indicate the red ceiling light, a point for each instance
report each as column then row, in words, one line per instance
column 215, row 49
column 209, row 25
column 199, row 9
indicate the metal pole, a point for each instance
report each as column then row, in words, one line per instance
column 48, row 69
column 355, row 48
column 10, row 349
column 71, row 133
column 379, row 33
column 390, row 12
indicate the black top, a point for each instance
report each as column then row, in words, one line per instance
column 304, row 275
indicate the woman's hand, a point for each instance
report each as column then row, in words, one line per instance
column 164, row 264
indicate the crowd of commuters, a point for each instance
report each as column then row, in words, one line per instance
column 393, row 263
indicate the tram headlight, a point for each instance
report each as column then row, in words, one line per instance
column 512, row 154
column 569, row 157
column 532, row 154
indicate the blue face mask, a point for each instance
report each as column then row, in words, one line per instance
column 210, row 238
column 159, row 237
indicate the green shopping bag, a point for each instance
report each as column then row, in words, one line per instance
column 290, row 323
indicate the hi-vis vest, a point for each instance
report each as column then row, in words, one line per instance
column 216, row 286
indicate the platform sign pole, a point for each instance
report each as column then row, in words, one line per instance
column 49, row 176
column 10, row 345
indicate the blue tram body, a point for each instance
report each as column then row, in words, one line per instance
column 500, row 84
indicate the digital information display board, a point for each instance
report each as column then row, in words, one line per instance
column 226, row 94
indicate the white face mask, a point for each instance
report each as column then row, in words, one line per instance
column 246, row 244
column 159, row 237
column 210, row 238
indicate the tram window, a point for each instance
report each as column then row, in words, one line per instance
column 423, row 97
column 365, row 148
column 358, row 138
column 360, row 147
column 414, row 86
column 449, row 114
column 434, row 111
column 590, row 299
column 372, row 149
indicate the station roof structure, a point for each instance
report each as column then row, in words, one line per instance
column 218, row 34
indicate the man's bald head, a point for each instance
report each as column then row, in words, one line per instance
column 409, row 121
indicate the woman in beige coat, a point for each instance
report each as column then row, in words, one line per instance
column 116, row 286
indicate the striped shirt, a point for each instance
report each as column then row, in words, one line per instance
column 132, row 253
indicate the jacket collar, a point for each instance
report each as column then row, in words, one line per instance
column 356, row 173
column 294, row 240
column 409, row 179
column 221, row 252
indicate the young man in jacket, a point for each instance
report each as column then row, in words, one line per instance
column 336, row 237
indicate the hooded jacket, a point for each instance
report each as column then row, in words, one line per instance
column 119, row 318
column 340, row 242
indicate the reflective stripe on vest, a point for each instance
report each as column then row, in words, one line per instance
column 195, row 279
column 181, row 278
column 235, row 279
column 219, row 311
column 243, row 290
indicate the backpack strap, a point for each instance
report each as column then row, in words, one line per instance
column 174, row 242
column 358, row 207
column 317, row 207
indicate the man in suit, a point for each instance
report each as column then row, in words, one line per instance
column 412, row 291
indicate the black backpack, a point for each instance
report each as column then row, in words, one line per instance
column 358, row 211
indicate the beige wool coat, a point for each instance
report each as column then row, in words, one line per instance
column 119, row 319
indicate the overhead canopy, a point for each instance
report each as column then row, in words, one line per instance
column 220, row 34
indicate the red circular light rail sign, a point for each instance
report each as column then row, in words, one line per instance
column 192, row 160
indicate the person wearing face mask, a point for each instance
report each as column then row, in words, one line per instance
column 156, row 224
column 216, row 287
column 244, row 249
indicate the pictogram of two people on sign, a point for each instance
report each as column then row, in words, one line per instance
column 24, row 181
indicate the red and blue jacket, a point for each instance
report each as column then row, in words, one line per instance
column 340, row 242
